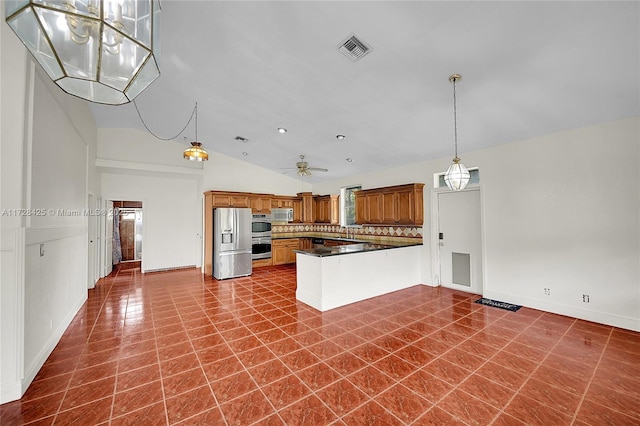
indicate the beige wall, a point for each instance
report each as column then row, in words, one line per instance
column 560, row 211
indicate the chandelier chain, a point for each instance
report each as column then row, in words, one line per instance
column 193, row 112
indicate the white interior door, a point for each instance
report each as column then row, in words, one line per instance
column 108, row 239
column 460, row 240
column 92, row 242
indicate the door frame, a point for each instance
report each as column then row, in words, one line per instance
column 435, row 220
column 92, row 241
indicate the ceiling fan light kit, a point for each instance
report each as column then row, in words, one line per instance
column 98, row 50
column 457, row 175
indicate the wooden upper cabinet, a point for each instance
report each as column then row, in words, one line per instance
column 308, row 207
column 281, row 202
column 228, row 199
column 369, row 207
column 297, row 210
column 409, row 207
column 393, row 205
column 260, row 203
column 326, row 209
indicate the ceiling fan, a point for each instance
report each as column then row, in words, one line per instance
column 305, row 170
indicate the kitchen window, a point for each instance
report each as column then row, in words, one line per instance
column 348, row 205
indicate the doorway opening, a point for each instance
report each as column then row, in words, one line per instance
column 127, row 235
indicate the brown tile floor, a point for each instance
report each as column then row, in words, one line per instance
column 174, row 347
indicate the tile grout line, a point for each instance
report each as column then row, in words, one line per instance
column 593, row 374
column 86, row 344
column 528, row 378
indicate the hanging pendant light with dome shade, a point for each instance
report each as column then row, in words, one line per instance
column 457, row 175
column 195, row 152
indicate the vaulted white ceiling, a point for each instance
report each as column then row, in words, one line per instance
column 528, row 69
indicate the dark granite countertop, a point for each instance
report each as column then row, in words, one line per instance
column 356, row 247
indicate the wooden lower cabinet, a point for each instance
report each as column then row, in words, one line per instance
column 261, row 262
column 282, row 251
column 306, row 243
column 333, row 243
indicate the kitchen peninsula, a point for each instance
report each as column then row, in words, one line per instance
column 330, row 277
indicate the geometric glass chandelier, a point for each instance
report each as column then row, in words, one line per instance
column 98, row 50
column 457, row 175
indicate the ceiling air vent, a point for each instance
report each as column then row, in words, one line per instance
column 353, row 48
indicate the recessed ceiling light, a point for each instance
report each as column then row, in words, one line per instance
column 245, row 153
column 349, row 159
column 282, row 130
column 340, row 137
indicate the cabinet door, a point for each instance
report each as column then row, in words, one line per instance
column 388, row 208
column 279, row 252
column 240, row 201
column 292, row 245
column 405, row 207
column 374, row 206
column 260, row 204
column 308, row 208
column 362, row 211
column 322, row 210
column 305, row 243
column 221, row 200
column 297, row 210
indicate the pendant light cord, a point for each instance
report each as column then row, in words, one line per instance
column 193, row 112
column 455, row 120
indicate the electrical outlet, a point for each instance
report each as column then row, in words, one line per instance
column 547, row 291
column 585, row 298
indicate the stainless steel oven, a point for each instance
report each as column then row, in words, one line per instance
column 261, row 225
column 261, row 236
column 261, row 248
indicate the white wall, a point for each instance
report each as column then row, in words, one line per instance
column 560, row 211
column 48, row 148
column 136, row 166
column 228, row 174
column 13, row 77
column 171, row 215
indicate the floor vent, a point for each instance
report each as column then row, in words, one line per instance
column 353, row 48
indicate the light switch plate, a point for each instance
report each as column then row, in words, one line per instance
column 41, row 249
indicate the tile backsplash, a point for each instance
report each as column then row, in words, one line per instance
column 367, row 232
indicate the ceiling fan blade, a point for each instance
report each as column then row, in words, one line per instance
column 317, row 169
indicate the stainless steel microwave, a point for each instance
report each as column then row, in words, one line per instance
column 282, row 215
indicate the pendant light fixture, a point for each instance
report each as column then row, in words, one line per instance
column 457, row 175
column 195, row 152
column 98, row 50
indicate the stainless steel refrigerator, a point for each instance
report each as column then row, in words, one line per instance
column 231, row 243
